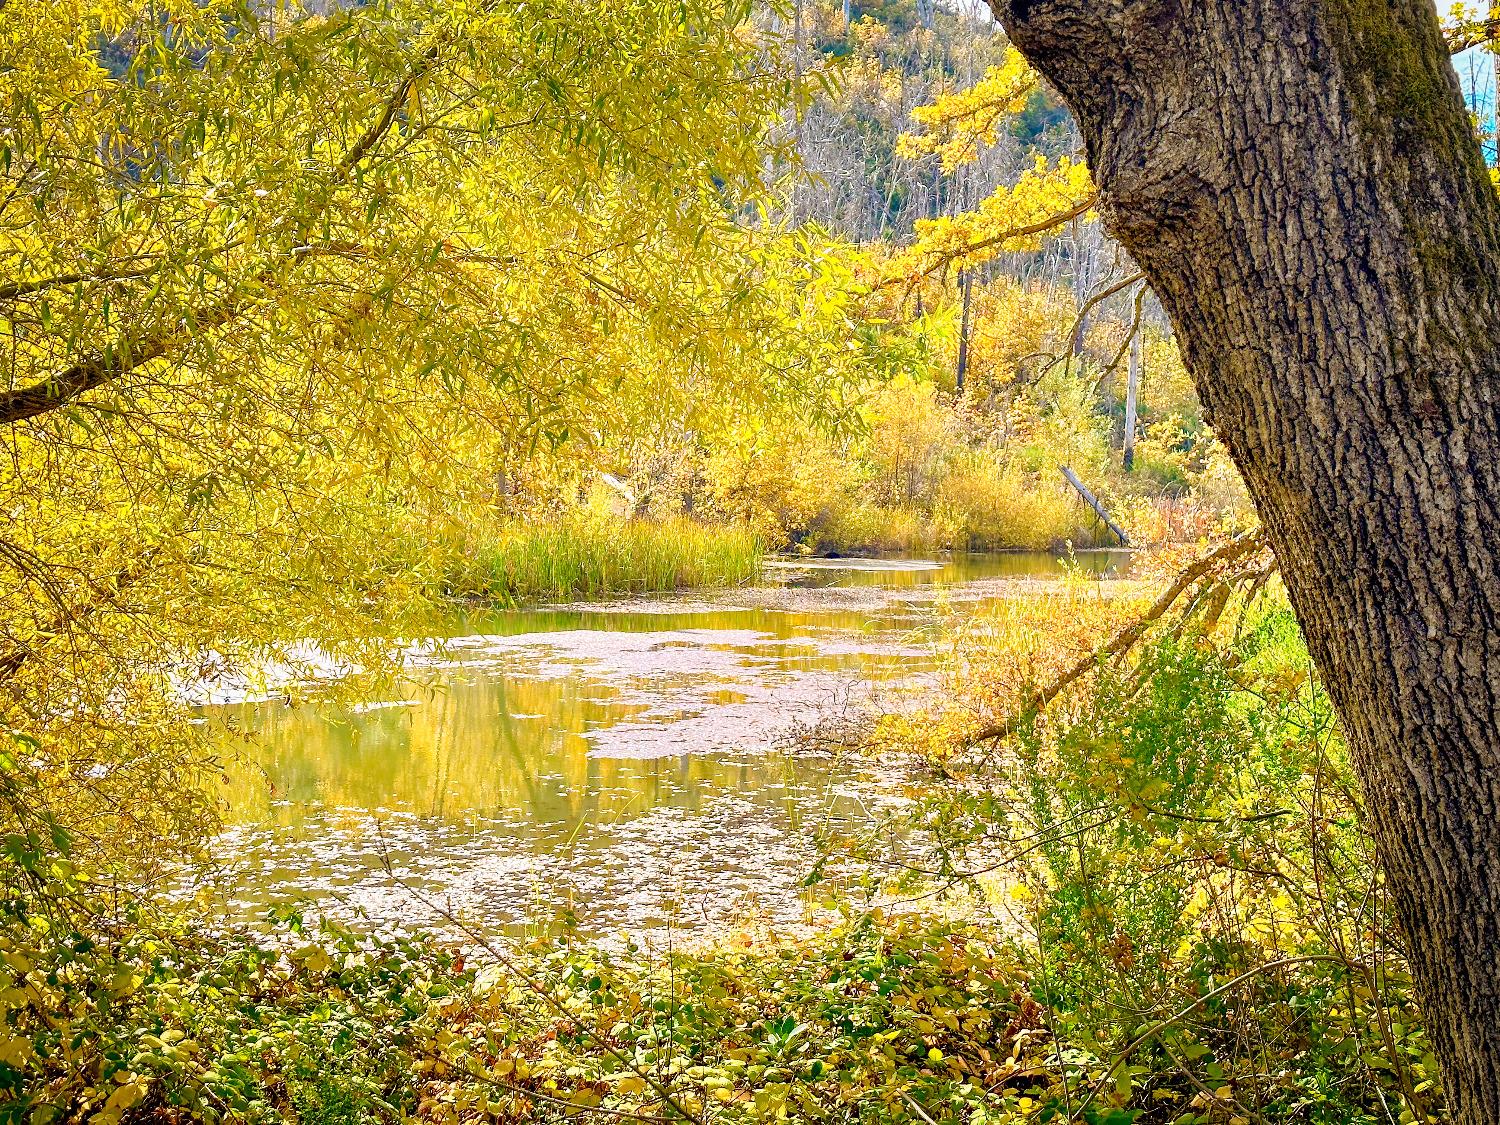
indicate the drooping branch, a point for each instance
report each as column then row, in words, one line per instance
column 71, row 617
column 1127, row 638
column 84, row 375
column 123, row 356
column 946, row 258
column 1468, row 35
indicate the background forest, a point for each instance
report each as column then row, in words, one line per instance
column 318, row 318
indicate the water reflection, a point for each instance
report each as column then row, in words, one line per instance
column 608, row 761
column 950, row 570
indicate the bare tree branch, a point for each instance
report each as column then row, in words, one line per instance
column 1128, row 637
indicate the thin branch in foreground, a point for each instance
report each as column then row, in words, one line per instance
column 532, row 984
column 1127, row 638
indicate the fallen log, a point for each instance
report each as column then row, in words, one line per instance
column 1093, row 502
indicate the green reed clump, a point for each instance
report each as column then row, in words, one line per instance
column 591, row 556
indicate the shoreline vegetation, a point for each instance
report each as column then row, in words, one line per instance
column 592, row 556
column 1140, row 913
column 593, row 550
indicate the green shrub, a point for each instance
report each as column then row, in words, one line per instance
column 1205, row 919
column 112, row 1011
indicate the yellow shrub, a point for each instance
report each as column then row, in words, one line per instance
column 994, row 508
column 1012, row 323
column 864, row 528
column 786, row 485
column 911, row 435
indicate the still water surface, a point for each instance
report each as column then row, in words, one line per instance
column 616, row 763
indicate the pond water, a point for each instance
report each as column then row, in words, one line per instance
column 615, row 764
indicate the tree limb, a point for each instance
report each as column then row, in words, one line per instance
column 1052, row 222
column 1462, row 37
column 122, row 357
column 122, row 271
column 1127, row 638
column 1049, row 223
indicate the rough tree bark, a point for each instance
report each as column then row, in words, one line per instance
column 1300, row 183
column 1132, row 390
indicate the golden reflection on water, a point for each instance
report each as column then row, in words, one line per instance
column 608, row 761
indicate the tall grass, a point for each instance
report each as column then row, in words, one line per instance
column 588, row 556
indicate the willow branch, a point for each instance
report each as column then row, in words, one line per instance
column 123, row 356
column 1128, row 637
column 71, row 617
column 119, row 272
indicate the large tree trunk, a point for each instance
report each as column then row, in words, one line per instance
column 1302, row 186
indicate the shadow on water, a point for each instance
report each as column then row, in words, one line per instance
column 609, row 761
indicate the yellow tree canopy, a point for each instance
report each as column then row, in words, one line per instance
column 1472, row 25
column 284, row 296
column 1015, row 218
column 958, row 124
column 955, row 128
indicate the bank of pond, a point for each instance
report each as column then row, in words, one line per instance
column 745, row 856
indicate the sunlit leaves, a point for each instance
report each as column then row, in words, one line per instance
column 346, row 275
column 1015, row 218
column 1471, row 25
column 957, row 125
column 1018, row 217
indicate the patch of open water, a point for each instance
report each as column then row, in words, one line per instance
column 614, row 762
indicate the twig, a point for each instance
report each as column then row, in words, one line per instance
column 1099, row 297
column 1162, row 1025
column 922, row 1113
column 1135, row 326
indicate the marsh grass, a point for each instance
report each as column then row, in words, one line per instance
column 588, row 556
